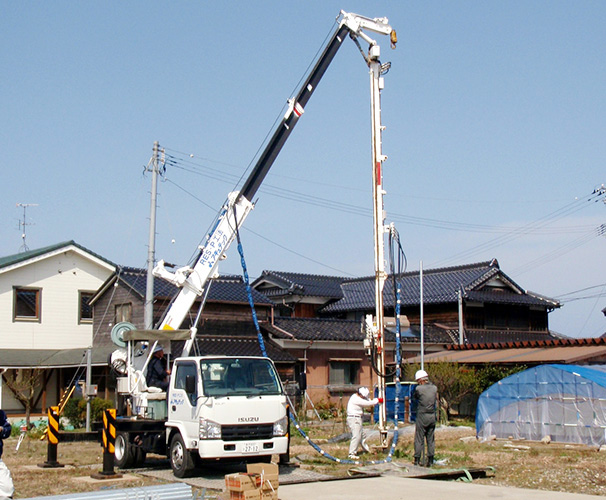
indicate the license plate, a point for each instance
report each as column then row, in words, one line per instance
column 250, row 448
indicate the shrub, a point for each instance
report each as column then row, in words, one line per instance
column 75, row 410
column 328, row 410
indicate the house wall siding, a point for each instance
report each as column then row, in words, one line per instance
column 60, row 278
column 318, row 372
column 105, row 317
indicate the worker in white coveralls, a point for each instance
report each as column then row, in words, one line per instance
column 355, row 409
column 6, row 481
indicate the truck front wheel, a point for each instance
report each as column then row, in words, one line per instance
column 181, row 460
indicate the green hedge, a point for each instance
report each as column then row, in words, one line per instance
column 75, row 410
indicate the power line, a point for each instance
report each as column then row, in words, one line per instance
column 298, row 254
column 529, row 228
column 554, row 254
column 313, row 200
column 580, row 290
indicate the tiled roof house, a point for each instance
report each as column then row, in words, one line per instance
column 319, row 318
column 494, row 307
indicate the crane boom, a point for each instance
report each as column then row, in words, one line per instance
column 238, row 205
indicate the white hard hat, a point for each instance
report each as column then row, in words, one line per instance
column 421, row 374
column 364, row 392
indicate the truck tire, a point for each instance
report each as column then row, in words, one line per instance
column 124, row 457
column 181, row 460
column 139, row 455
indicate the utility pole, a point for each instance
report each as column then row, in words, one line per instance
column 24, row 223
column 87, row 392
column 153, row 167
column 461, row 322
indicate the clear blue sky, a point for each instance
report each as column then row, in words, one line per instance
column 495, row 116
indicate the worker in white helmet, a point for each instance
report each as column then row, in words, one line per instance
column 355, row 410
column 425, row 397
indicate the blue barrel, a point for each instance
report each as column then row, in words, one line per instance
column 406, row 390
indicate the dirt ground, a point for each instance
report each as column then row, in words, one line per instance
column 522, row 464
column 553, row 467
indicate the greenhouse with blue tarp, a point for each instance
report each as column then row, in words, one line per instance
column 565, row 402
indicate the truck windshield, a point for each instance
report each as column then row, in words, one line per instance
column 239, row 377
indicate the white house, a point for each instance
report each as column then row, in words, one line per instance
column 45, row 319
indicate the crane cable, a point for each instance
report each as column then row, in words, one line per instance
column 291, row 415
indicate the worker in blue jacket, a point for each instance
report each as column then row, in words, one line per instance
column 6, row 481
column 157, row 371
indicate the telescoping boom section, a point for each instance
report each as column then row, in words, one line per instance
column 193, row 280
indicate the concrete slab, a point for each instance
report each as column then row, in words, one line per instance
column 92, row 480
column 214, row 477
column 399, row 488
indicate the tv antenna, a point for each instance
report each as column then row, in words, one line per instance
column 23, row 223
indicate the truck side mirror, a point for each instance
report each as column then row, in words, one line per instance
column 190, row 384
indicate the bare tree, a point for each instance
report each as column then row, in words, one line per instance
column 23, row 383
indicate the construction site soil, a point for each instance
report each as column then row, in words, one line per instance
column 522, row 464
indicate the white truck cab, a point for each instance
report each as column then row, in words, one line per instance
column 224, row 407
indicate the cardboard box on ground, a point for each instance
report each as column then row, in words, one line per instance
column 259, row 482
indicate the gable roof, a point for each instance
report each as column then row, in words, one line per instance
column 273, row 283
column 23, row 258
column 235, row 338
column 440, row 286
column 227, row 288
column 316, row 329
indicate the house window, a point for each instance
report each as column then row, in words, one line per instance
column 283, row 311
column 343, row 372
column 26, row 304
column 124, row 312
column 85, row 311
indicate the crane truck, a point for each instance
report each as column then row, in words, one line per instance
column 222, row 407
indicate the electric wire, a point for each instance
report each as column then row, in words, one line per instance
column 595, row 304
column 580, row 290
column 553, row 254
column 536, row 227
column 313, row 200
column 520, row 231
column 294, row 252
column 188, row 160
